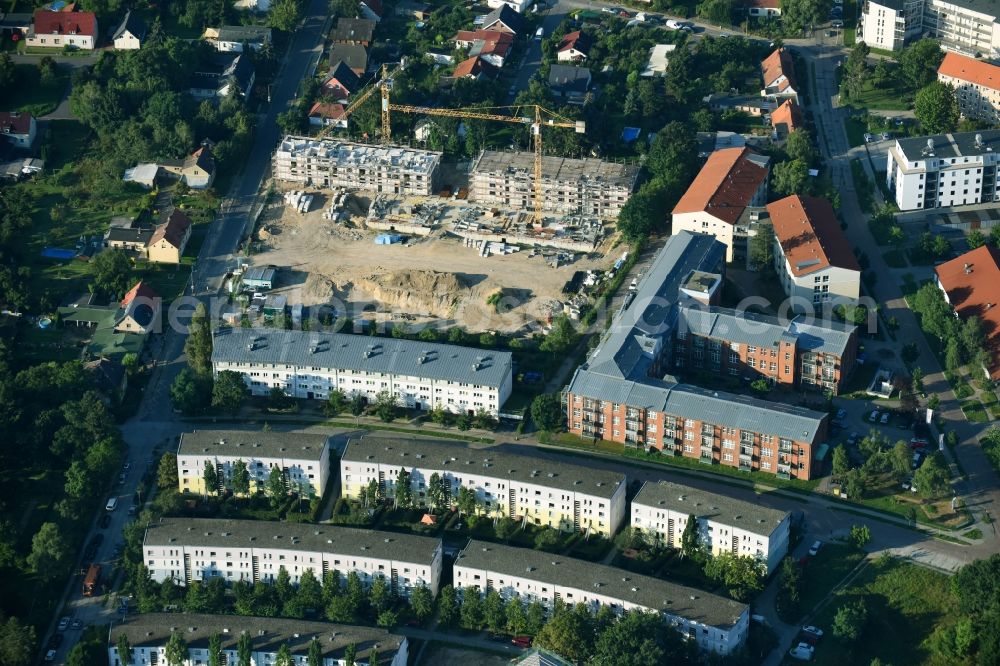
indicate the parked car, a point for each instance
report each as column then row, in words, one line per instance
column 77, row 624
column 815, row 631
column 836, row 23
column 873, row 417
column 853, row 439
column 63, row 624
column 918, row 443
column 521, row 641
column 918, row 459
column 813, row 549
column 802, row 652
column 885, row 418
column 609, row 10
column 50, row 655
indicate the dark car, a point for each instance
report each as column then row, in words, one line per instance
column 521, row 641
column 55, row 641
column 104, row 521
column 92, row 547
column 499, row 638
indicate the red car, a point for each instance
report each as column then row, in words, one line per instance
column 521, row 641
column 918, row 443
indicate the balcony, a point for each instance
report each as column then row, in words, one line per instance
column 746, row 451
column 706, row 459
column 784, row 448
column 745, row 466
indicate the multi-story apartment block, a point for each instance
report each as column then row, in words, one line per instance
column 962, row 26
column 554, row 494
column 944, row 170
column 813, row 258
column 334, row 163
column 888, row 24
column 716, row 624
column 190, row 549
column 569, row 186
column 752, row 346
column 303, row 459
column 623, row 394
column 731, row 181
column 977, row 86
column 148, row 633
column 724, row 524
column 311, row 364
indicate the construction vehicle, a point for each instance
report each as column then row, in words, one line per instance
column 92, row 580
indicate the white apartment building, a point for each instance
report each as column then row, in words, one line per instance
column 944, row 170
column 888, row 24
column 963, row 26
column 976, row 84
column 725, row 524
column 585, row 186
column 189, row 549
column 717, row 624
column 303, row 459
column 334, row 163
column 554, row 494
column 717, row 201
column 309, row 365
column 148, row 633
column 813, row 258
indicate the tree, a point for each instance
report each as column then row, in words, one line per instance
column 241, row 478
column 860, row 535
column 277, row 486
column 471, row 613
column 215, row 649
column 125, row 649
column 567, row 633
column 436, row 492
column 386, row 405
column 514, row 613
column 719, row 12
column 535, row 615
column 548, row 539
column 447, row 607
column 899, row 460
column 8, row 72
column 371, row 493
column 421, row 603
column 357, row 405
column 797, row 15
column 284, row 656
column 50, row 552
column 855, row 69
column 919, row 62
column 315, row 655
column 244, row 649
column 350, row 654
column 936, row 108
column 975, row 239
column 354, row 592
column 379, row 596
column 547, row 412
column 562, row 337
column 799, row 146
column 176, row 650
column 789, row 586
column 642, row 213
column 229, row 392
column 111, row 271
column 466, row 501
column 932, row 478
column 198, row 346
column 762, row 246
column 493, row 612
column 505, row 528
column 633, row 640
column 690, row 539
column 336, row 402
column 791, row 177
column 211, row 478
column 403, row 491
column 850, row 620
column 743, row 575
column 190, row 393
column 17, row 641
column 841, row 461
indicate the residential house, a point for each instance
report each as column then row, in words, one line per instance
column 971, row 285
column 570, row 83
column 574, row 47
column 474, row 68
column 504, row 19
column 62, row 30
column 253, row 5
column 492, row 46
column 139, row 311
column 109, row 377
column 658, row 60
column 420, row 11
column 323, row 114
column 234, row 38
column 130, row 34
column 354, row 56
column 18, row 129
column 166, row 245
column 752, row 105
column 519, row 6
column 341, row 82
column 15, row 26
column 779, row 75
column 353, row 31
column 731, row 181
column 813, row 258
column 786, row 119
column 149, row 633
column 128, row 235
column 197, row 170
column 763, row 8
column 976, row 84
column 232, row 74
column 371, row 10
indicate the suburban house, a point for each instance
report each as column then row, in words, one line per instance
column 976, row 84
column 324, row 114
column 253, row 5
column 574, row 47
column 197, row 170
column 779, row 75
column 166, row 245
column 786, row 119
column 519, row 6
column 763, row 8
column 504, row 19
column 130, row 33
column 721, row 199
column 570, row 83
column 475, row 67
column 353, row 31
column 233, row 38
column 109, row 377
column 658, row 60
column 140, row 310
column 971, row 285
column 371, row 10
column 15, row 24
column 233, row 74
column 752, row 105
column 354, row 56
column 415, row 10
column 490, row 45
column 129, row 235
column 812, row 256
column 18, row 129
column 59, row 30
column 341, row 82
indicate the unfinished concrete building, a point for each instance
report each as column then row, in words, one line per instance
column 333, row 163
column 585, row 186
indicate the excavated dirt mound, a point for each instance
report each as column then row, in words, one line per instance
column 412, row 291
column 318, row 288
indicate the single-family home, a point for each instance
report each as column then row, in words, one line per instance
column 341, row 82
column 574, row 47
column 253, row 5
column 752, row 105
column 129, row 235
column 354, row 56
column 763, row 8
column 233, row 38
column 569, row 83
column 519, row 6
column 109, row 377
column 492, row 46
column 474, row 68
column 139, row 311
column 786, row 119
column 323, row 114
column 166, row 245
column 779, row 75
column 504, row 19
column 971, row 285
column 18, row 129
column 15, row 25
column 415, row 10
column 371, row 10
column 59, row 30
column 233, row 74
column 130, row 34
column 197, row 170
column 353, row 31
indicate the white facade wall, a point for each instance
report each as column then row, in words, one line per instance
column 829, row 285
column 144, row 656
column 517, row 5
column 541, row 504
column 959, row 180
column 127, row 42
column 667, row 525
column 703, row 222
column 709, row 638
column 974, row 100
column 50, row 41
column 315, row 473
column 878, row 27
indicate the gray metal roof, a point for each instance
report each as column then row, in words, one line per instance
column 718, row 508
column 265, row 273
column 252, row 444
column 957, row 144
column 361, row 353
column 830, row 338
column 244, row 33
column 761, row 330
column 457, row 458
column 268, row 633
column 292, row 536
column 653, row 593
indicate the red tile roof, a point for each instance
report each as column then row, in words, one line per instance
column 810, row 235
column 776, row 65
column 326, row 110
column 787, row 114
column 172, row 230
column 575, row 40
column 474, row 66
column 141, row 290
column 65, row 23
column 725, row 185
column 972, row 282
column 12, row 122
column 764, row 4
column 969, row 69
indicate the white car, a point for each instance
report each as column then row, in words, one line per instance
column 873, row 416
column 885, row 418
column 815, row 631
column 802, row 652
column 813, row 549
column 63, row 624
column 50, row 655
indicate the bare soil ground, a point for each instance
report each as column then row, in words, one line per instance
column 434, row 280
column 439, row 653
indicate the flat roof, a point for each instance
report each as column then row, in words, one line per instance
column 653, row 593
column 561, row 169
column 955, row 144
column 265, row 273
column 459, row 458
column 763, row 330
column 252, row 444
column 346, row 153
column 412, row 358
column 291, row 536
column 711, row 506
column 269, row 634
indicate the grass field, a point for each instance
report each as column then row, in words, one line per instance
column 29, row 95
column 974, row 411
column 824, row 571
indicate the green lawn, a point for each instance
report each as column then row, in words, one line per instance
column 29, row 95
column 855, row 129
column 974, row 411
column 863, row 187
column 824, row 571
column 906, row 603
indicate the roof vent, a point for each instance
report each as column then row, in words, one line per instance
column 551, row 475
column 693, row 597
column 530, row 569
column 979, row 140
column 260, row 632
column 364, row 547
column 681, row 498
column 296, row 634
column 738, row 516
column 635, row 589
column 388, row 540
column 968, row 268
